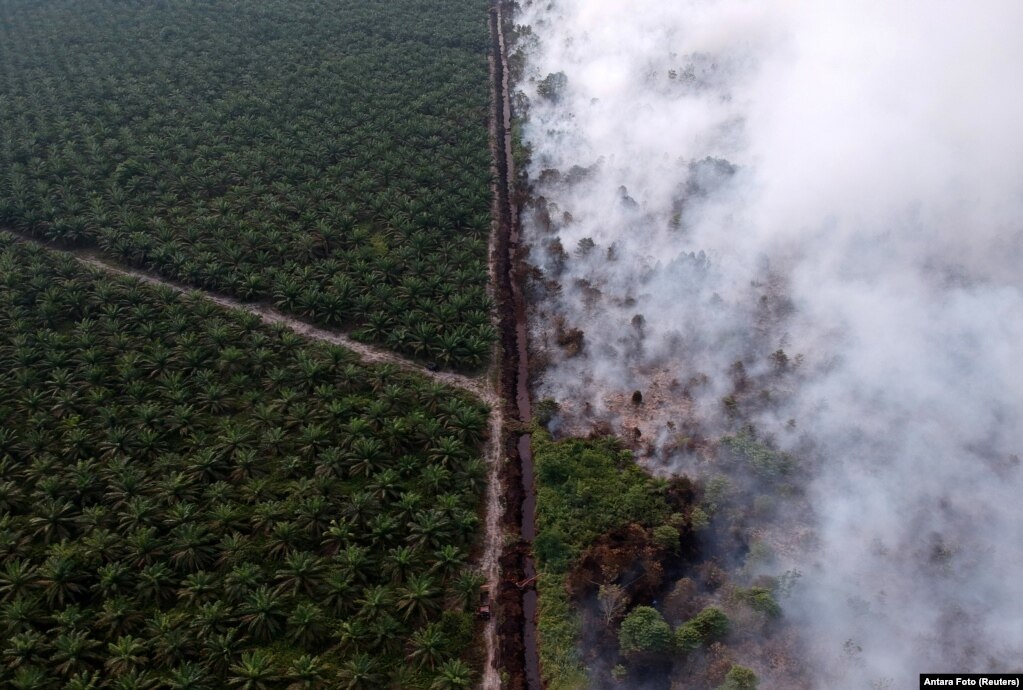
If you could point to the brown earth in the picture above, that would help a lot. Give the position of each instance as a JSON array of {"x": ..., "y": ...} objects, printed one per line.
[{"x": 517, "y": 656}]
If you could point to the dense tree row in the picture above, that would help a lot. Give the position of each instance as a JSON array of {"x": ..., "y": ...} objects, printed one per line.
[
  {"x": 329, "y": 158},
  {"x": 190, "y": 499}
]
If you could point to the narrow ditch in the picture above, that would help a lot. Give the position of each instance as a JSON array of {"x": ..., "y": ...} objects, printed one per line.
[{"x": 518, "y": 654}]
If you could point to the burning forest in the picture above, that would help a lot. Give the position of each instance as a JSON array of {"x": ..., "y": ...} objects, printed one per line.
[{"x": 776, "y": 312}]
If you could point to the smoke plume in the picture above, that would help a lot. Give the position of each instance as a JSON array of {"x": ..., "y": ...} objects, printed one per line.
[{"x": 721, "y": 181}]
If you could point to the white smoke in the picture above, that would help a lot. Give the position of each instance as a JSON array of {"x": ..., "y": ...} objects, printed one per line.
[{"x": 877, "y": 195}]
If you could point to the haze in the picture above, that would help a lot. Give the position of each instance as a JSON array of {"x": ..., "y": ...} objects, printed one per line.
[{"x": 868, "y": 217}]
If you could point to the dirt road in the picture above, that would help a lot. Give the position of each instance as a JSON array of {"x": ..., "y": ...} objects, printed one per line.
[{"x": 370, "y": 354}]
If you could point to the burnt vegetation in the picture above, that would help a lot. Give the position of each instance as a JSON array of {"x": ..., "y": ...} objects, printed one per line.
[{"x": 654, "y": 582}]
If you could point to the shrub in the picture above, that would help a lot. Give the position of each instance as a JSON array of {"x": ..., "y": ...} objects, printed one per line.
[
  {"x": 761, "y": 599},
  {"x": 551, "y": 550},
  {"x": 740, "y": 678},
  {"x": 687, "y": 638},
  {"x": 698, "y": 519},
  {"x": 711, "y": 622},
  {"x": 545, "y": 410},
  {"x": 666, "y": 537},
  {"x": 765, "y": 462},
  {"x": 708, "y": 625},
  {"x": 644, "y": 631}
]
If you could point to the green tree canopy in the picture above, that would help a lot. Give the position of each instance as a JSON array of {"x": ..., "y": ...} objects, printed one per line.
[
  {"x": 708, "y": 625},
  {"x": 644, "y": 631},
  {"x": 740, "y": 678}
]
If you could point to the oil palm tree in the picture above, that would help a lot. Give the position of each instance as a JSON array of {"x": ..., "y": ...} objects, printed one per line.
[
  {"x": 254, "y": 671},
  {"x": 466, "y": 588},
  {"x": 306, "y": 625},
  {"x": 20, "y": 614},
  {"x": 302, "y": 572},
  {"x": 453, "y": 674},
  {"x": 428, "y": 646},
  {"x": 361, "y": 672},
  {"x": 338, "y": 593},
  {"x": 447, "y": 560},
  {"x": 59, "y": 578},
  {"x": 169, "y": 639},
  {"x": 72, "y": 651},
  {"x": 221, "y": 649},
  {"x": 428, "y": 528},
  {"x": 119, "y": 615},
  {"x": 83, "y": 680},
  {"x": 367, "y": 455},
  {"x": 32, "y": 678},
  {"x": 188, "y": 675},
  {"x": 125, "y": 655},
  {"x": 25, "y": 649},
  {"x": 418, "y": 598},
  {"x": 134, "y": 680},
  {"x": 306, "y": 673},
  {"x": 211, "y": 618},
  {"x": 262, "y": 614},
  {"x": 17, "y": 579}
]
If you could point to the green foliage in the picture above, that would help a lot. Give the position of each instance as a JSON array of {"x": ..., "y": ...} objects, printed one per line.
[
  {"x": 688, "y": 638},
  {"x": 458, "y": 629},
  {"x": 330, "y": 158},
  {"x": 545, "y": 410},
  {"x": 759, "y": 554},
  {"x": 558, "y": 629},
  {"x": 584, "y": 489},
  {"x": 552, "y": 550},
  {"x": 708, "y": 625},
  {"x": 667, "y": 537},
  {"x": 644, "y": 631},
  {"x": 521, "y": 151},
  {"x": 739, "y": 678},
  {"x": 452, "y": 675},
  {"x": 765, "y": 462},
  {"x": 698, "y": 519},
  {"x": 716, "y": 492},
  {"x": 187, "y": 494},
  {"x": 711, "y": 622},
  {"x": 761, "y": 599}
]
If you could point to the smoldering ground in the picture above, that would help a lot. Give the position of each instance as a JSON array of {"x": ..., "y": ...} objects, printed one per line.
[{"x": 717, "y": 181}]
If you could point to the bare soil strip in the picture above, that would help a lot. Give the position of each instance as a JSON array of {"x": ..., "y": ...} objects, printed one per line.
[
  {"x": 493, "y": 540},
  {"x": 490, "y": 562},
  {"x": 369, "y": 354}
]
